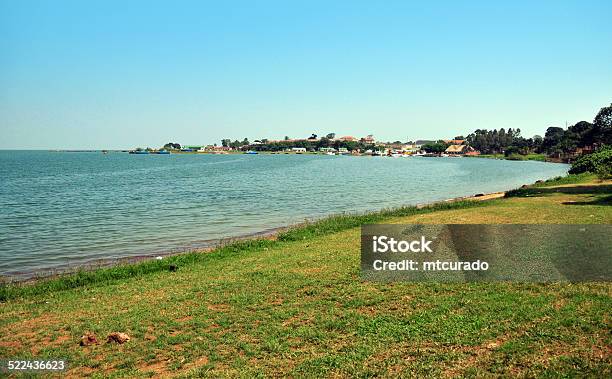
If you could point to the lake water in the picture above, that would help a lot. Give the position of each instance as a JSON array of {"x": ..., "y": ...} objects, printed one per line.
[{"x": 62, "y": 210}]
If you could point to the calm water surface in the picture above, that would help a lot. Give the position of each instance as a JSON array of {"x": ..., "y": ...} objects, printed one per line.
[{"x": 62, "y": 210}]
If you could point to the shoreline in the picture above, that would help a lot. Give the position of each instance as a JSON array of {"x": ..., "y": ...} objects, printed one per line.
[
  {"x": 304, "y": 293},
  {"x": 212, "y": 245},
  {"x": 515, "y": 157}
]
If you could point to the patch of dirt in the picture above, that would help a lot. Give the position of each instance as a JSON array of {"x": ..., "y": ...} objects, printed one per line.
[
  {"x": 159, "y": 367},
  {"x": 559, "y": 303},
  {"x": 297, "y": 320},
  {"x": 218, "y": 307},
  {"x": 277, "y": 301},
  {"x": 28, "y": 325},
  {"x": 11, "y": 344},
  {"x": 483, "y": 352},
  {"x": 80, "y": 372}
]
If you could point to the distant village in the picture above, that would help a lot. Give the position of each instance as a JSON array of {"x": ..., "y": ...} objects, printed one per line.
[
  {"x": 558, "y": 144},
  {"x": 328, "y": 144}
]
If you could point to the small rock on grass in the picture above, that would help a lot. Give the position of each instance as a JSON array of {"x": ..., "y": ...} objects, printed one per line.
[
  {"x": 88, "y": 339},
  {"x": 117, "y": 337}
]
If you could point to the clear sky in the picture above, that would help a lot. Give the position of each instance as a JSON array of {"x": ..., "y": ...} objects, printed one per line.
[{"x": 121, "y": 74}]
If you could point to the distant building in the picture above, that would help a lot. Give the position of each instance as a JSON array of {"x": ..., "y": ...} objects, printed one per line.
[
  {"x": 368, "y": 139},
  {"x": 299, "y": 150},
  {"x": 347, "y": 138},
  {"x": 412, "y": 148},
  {"x": 454, "y": 141},
  {"x": 461, "y": 150},
  {"x": 455, "y": 149},
  {"x": 327, "y": 150},
  {"x": 218, "y": 148},
  {"x": 582, "y": 151},
  {"x": 399, "y": 146}
]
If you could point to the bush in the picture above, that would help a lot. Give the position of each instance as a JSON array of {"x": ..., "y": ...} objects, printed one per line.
[
  {"x": 604, "y": 172},
  {"x": 598, "y": 162}
]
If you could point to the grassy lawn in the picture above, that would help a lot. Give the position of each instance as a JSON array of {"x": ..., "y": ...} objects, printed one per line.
[
  {"x": 296, "y": 307},
  {"x": 513, "y": 157}
]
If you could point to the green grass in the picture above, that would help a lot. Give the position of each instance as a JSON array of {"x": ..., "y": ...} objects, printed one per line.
[
  {"x": 558, "y": 181},
  {"x": 296, "y": 307},
  {"x": 321, "y": 227},
  {"x": 527, "y": 157},
  {"x": 513, "y": 157}
]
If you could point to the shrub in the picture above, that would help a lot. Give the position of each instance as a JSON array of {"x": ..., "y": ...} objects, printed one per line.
[
  {"x": 600, "y": 161},
  {"x": 604, "y": 172}
]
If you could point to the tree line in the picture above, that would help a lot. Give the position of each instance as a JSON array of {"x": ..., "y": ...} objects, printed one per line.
[{"x": 556, "y": 141}]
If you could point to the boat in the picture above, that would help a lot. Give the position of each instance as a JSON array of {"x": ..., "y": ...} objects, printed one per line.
[
  {"x": 166, "y": 152},
  {"x": 251, "y": 152},
  {"x": 139, "y": 152}
]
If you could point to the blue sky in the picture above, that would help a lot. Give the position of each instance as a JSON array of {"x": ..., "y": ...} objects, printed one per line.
[{"x": 120, "y": 74}]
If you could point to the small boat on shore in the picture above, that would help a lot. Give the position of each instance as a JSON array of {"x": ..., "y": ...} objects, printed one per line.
[{"x": 251, "y": 152}]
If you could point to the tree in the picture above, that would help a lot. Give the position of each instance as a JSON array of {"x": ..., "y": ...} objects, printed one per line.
[
  {"x": 287, "y": 138},
  {"x": 226, "y": 142},
  {"x": 434, "y": 147},
  {"x": 569, "y": 142},
  {"x": 245, "y": 142},
  {"x": 552, "y": 138},
  {"x": 537, "y": 143},
  {"x": 313, "y": 136},
  {"x": 583, "y": 133},
  {"x": 323, "y": 142},
  {"x": 172, "y": 146},
  {"x": 602, "y": 123},
  {"x": 331, "y": 136}
]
